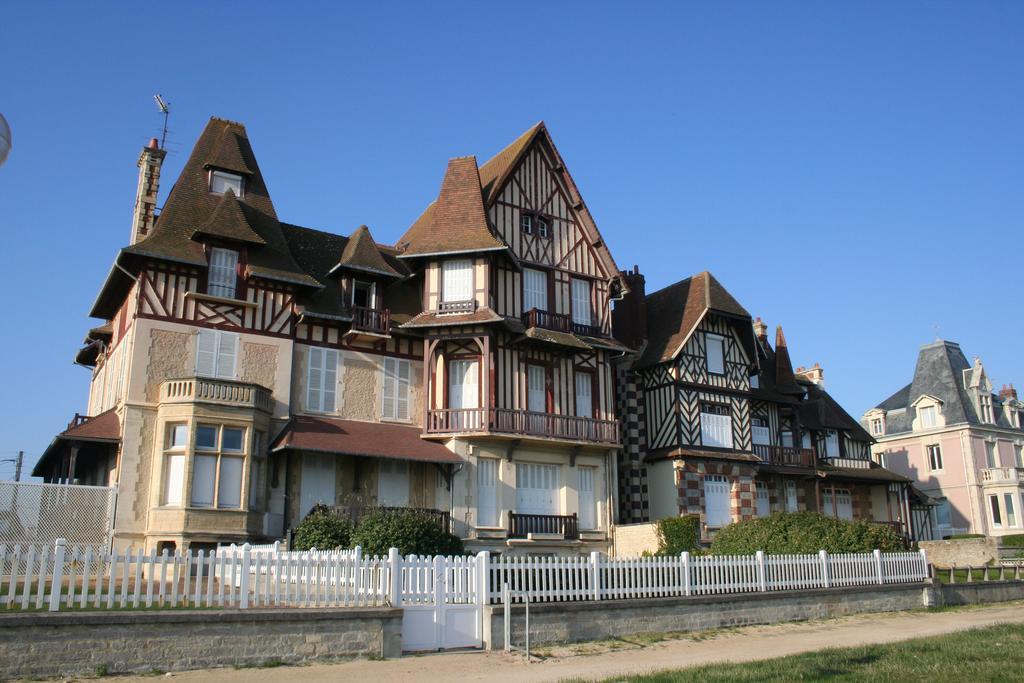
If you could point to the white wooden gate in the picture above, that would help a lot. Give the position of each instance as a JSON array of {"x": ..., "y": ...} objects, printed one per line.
[{"x": 442, "y": 600}]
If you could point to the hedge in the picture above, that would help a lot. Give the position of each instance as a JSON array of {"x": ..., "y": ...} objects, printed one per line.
[
  {"x": 805, "y": 532},
  {"x": 323, "y": 529},
  {"x": 957, "y": 537},
  {"x": 1013, "y": 541},
  {"x": 678, "y": 534},
  {"x": 410, "y": 531}
]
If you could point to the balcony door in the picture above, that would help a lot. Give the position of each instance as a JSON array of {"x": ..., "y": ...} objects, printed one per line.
[
  {"x": 464, "y": 393},
  {"x": 537, "y": 488},
  {"x": 717, "y": 506},
  {"x": 535, "y": 290}
]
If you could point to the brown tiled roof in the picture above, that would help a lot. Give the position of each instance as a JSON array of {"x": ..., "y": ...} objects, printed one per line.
[
  {"x": 362, "y": 253},
  {"x": 457, "y": 221},
  {"x": 785, "y": 380},
  {"x": 102, "y": 427},
  {"x": 821, "y": 411},
  {"x": 698, "y": 452},
  {"x": 191, "y": 205},
  {"x": 351, "y": 437},
  {"x": 875, "y": 472},
  {"x": 555, "y": 337},
  {"x": 229, "y": 222},
  {"x": 434, "y": 319},
  {"x": 674, "y": 312}
]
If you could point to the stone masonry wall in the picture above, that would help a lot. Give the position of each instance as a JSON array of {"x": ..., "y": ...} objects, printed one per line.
[
  {"x": 84, "y": 643},
  {"x": 974, "y": 552}
]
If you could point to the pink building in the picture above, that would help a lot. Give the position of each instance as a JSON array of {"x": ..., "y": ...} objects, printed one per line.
[{"x": 961, "y": 443}]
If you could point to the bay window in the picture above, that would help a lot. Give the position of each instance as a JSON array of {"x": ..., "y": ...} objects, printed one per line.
[
  {"x": 217, "y": 466},
  {"x": 175, "y": 454}
]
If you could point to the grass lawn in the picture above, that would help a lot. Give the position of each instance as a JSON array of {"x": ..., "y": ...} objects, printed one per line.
[{"x": 987, "y": 654}]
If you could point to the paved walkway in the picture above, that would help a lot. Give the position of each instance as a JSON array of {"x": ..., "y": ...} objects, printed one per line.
[{"x": 596, "y": 661}]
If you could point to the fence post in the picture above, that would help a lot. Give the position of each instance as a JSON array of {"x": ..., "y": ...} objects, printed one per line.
[
  {"x": 823, "y": 557},
  {"x": 878, "y": 565},
  {"x": 277, "y": 548},
  {"x": 686, "y": 572},
  {"x": 595, "y": 574},
  {"x": 57, "y": 578},
  {"x": 395, "y": 572},
  {"x": 483, "y": 581},
  {"x": 759, "y": 555},
  {"x": 243, "y": 588},
  {"x": 924, "y": 563}
]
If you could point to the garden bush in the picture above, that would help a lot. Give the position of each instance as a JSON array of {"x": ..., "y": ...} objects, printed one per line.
[
  {"x": 956, "y": 537},
  {"x": 323, "y": 529},
  {"x": 805, "y": 532},
  {"x": 1012, "y": 541},
  {"x": 678, "y": 534},
  {"x": 410, "y": 531}
]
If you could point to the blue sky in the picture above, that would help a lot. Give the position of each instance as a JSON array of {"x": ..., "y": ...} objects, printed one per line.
[{"x": 853, "y": 171}]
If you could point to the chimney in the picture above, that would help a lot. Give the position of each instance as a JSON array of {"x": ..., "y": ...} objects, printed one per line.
[
  {"x": 144, "y": 216},
  {"x": 760, "y": 329},
  {"x": 1008, "y": 393},
  {"x": 815, "y": 374},
  {"x": 629, "y": 319}
]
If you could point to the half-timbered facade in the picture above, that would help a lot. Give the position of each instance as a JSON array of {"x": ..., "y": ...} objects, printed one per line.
[{"x": 720, "y": 425}]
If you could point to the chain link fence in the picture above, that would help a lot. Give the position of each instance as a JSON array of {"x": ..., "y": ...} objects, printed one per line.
[{"x": 39, "y": 514}]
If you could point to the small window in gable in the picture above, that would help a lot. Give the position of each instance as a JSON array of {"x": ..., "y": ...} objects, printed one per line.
[
  {"x": 222, "y": 181},
  {"x": 715, "y": 354},
  {"x": 526, "y": 223},
  {"x": 223, "y": 273},
  {"x": 542, "y": 227}
]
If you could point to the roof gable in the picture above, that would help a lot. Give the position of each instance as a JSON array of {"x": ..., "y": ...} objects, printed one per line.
[
  {"x": 227, "y": 153},
  {"x": 361, "y": 253},
  {"x": 228, "y": 221}
]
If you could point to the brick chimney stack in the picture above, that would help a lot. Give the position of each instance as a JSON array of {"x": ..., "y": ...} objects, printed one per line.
[
  {"x": 144, "y": 215},
  {"x": 1008, "y": 393},
  {"x": 815, "y": 374},
  {"x": 629, "y": 319},
  {"x": 760, "y": 329}
]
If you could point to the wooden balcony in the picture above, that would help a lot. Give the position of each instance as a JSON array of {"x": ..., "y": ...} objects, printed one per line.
[
  {"x": 522, "y": 423},
  {"x": 218, "y": 391},
  {"x": 565, "y": 527},
  {"x": 558, "y": 322},
  {"x": 371, "y": 320},
  {"x": 784, "y": 456}
]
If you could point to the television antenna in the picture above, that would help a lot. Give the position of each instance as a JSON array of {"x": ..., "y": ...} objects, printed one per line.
[
  {"x": 5, "y": 139},
  {"x": 165, "y": 108}
]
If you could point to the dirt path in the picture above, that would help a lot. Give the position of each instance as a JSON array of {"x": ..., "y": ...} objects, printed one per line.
[{"x": 614, "y": 658}]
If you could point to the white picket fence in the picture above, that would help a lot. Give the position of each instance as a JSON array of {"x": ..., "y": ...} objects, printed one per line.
[
  {"x": 564, "y": 579},
  {"x": 60, "y": 577}
]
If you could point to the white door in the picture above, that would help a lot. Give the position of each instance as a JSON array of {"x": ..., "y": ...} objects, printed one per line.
[
  {"x": 717, "y": 507},
  {"x": 487, "y": 492},
  {"x": 763, "y": 503},
  {"x": 393, "y": 483},
  {"x": 537, "y": 488},
  {"x": 317, "y": 483},
  {"x": 588, "y": 501},
  {"x": 449, "y": 616},
  {"x": 844, "y": 504},
  {"x": 464, "y": 393}
]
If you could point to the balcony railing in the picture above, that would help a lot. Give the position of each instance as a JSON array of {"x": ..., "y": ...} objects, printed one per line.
[
  {"x": 456, "y": 306},
  {"x": 376, "y": 321},
  {"x": 559, "y": 322},
  {"x": 784, "y": 456},
  {"x": 523, "y": 525},
  {"x": 219, "y": 391},
  {"x": 1002, "y": 475},
  {"x": 523, "y": 422}
]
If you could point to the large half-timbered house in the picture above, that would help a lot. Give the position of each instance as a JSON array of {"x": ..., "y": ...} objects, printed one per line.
[
  {"x": 248, "y": 369},
  {"x": 718, "y": 423}
]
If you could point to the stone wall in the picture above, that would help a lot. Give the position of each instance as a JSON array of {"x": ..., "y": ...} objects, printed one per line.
[
  {"x": 85, "y": 643},
  {"x": 979, "y": 593},
  {"x": 631, "y": 540},
  {"x": 974, "y": 552},
  {"x": 567, "y": 622}
]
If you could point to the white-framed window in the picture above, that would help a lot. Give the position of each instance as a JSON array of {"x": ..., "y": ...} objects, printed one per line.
[
  {"x": 217, "y": 466},
  {"x": 934, "y": 457},
  {"x": 717, "y": 504},
  {"x": 991, "y": 457},
  {"x": 537, "y": 488},
  {"x": 464, "y": 393},
  {"x": 877, "y": 426},
  {"x": 588, "y": 500},
  {"x": 763, "y": 501},
  {"x": 832, "y": 444},
  {"x": 792, "y": 503},
  {"x": 216, "y": 354},
  {"x": 536, "y": 388},
  {"x": 986, "y": 408},
  {"x": 223, "y": 274},
  {"x": 393, "y": 483},
  {"x": 1011, "y": 512},
  {"x": 805, "y": 441},
  {"x": 715, "y": 345},
  {"x": 487, "y": 492},
  {"x": 322, "y": 380},
  {"x": 457, "y": 280},
  {"x": 395, "y": 401},
  {"x": 927, "y": 415},
  {"x": 175, "y": 456},
  {"x": 1018, "y": 455},
  {"x": 715, "y": 425},
  {"x": 997, "y": 517},
  {"x": 584, "y": 394},
  {"x": 364, "y": 294},
  {"x": 535, "y": 289},
  {"x": 222, "y": 181},
  {"x": 582, "y": 310},
  {"x": 526, "y": 223},
  {"x": 841, "y": 506},
  {"x": 787, "y": 438},
  {"x": 760, "y": 433},
  {"x": 542, "y": 227}
]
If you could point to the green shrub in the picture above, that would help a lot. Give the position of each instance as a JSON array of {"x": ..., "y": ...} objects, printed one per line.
[
  {"x": 805, "y": 532},
  {"x": 323, "y": 529},
  {"x": 955, "y": 537},
  {"x": 1013, "y": 541},
  {"x": 410, "y": 531},
  {"x": 678, "y": 534}
]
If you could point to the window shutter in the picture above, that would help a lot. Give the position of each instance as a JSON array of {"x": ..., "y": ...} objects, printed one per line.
[
  {"x": 715, "y": 354},
  {"x": 388, "y": 409},
  {"x": 581, "y": 306},
  {"x": 330, "y": 387},
  {"x": 175, "y": 479},
  {"x": 204, "y": 469},
  {"x": 402, "y": 390},
  {"x": 315, "y": 380},
  {"x": 537, "y": 396},
  {"x": 227, "y": 352},
  {"x": 535, "y": 290},
  {"x": 470, "y": 391},
  {"x": 229, "y": 486},
  {"x": 588, "y": 502},
  {"x": 486, "y": 485},
  {"x": 206, "y": 353},
  {"x": 457, "y": 282},
  {"x": 584, "y": 395}
]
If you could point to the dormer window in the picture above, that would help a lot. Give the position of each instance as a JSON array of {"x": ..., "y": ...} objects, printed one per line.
[
  {"x": 222, "y": 181},
  {"x": 364, "y": 294},
  {"x": 223, "y": 273},
  {"x": 986, "y": 408},
  {"x": 877, "y": 426},
  {"x": 927, "y": 415}
]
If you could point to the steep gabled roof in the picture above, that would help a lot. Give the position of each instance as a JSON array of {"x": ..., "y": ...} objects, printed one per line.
[
  {"x": 674, "y": 312},
  {"x": 496, "y": 171},
  {"x": 228, "y": 221},
  {"x": 362, "y": 253},
  {"x": 785, "y": 380},
  {"x": 227, "y": 153},
  {"x": 457, "y": 221},
  {"x": 821, "y": 411}
]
